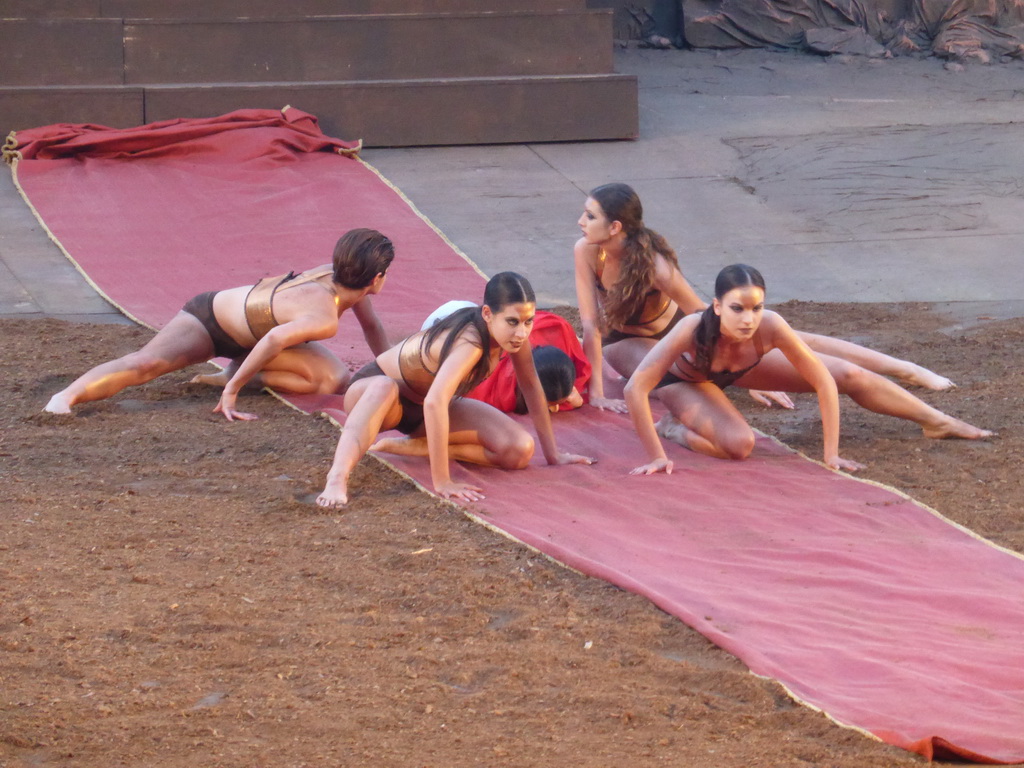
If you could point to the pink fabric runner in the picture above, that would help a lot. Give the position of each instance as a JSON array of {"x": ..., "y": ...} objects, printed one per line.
[{"x": 861, "y": 602}]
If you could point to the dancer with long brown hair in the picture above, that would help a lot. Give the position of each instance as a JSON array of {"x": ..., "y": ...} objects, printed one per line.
[{"x": 416, "y": 387}]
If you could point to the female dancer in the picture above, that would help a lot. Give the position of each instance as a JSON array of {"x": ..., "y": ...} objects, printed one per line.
[
  {"x": 631, "y": 273},
  {"x": 562, "y": 366},
  {"x": 416, "y": 387},
  {"x": 269, "y": 331},
  {"x": 738, "y": 341}
]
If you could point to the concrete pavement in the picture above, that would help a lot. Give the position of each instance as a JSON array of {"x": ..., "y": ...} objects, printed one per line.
[{"x": 841, "y": 179}]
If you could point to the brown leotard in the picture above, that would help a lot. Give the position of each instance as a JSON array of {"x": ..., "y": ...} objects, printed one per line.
[
  {"x": 721, "y": 379},
  {"x": 259, "y": 303},
  {"x": 412, "y": 367},
  {"x": 655, "y": 304},
  {"x": 415, "y": 375},
  {"x": 201, "y": 308},
  {"x": 412, "y": 412}
]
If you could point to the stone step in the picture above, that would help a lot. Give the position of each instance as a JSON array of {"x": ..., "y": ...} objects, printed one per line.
[
  {"x": 62, "y": 52},
  {"x": 382, "y": 113},
  {"x": 369, "y": 47},
  {"x": 262, "y": 9},
  {"x": 91, "y": 51}
]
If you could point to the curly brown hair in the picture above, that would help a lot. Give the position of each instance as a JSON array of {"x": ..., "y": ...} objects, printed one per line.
[{"x": 626, "y": 298}]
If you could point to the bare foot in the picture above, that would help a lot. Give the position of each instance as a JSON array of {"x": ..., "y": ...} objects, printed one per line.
[
  {"x": 954, "y": 428},
  {"x": 401, "y": 446},
  {"x": 58, "y": 404},
  {"x": 218, "y": 379},
  {"x": 670, "y": 429},
  {"x": 335, "y": 494},
  {"x": 918, "y": 376}
]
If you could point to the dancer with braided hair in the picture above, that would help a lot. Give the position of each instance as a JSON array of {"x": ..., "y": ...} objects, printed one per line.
[{"x": 737, "y": 341}]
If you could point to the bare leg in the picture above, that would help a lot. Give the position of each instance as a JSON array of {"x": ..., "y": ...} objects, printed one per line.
[
  {"x": 372, "y": 405},
  {"x": 867, "y": 389},
  {"x": 625, "y": 356},
  {"x": 479, "y": 434},
  {"x": 305, "y": 369},
  {"x": 704, "y": 420},
  {"x": 878, "y": 362},
  {"x": 218, "y": 379},
  {"x": 179, "y": 344},
  {"x": 401, "y": 446}
]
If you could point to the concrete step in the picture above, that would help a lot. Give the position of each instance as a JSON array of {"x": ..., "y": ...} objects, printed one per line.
[
  {"x": 118, "y": 106},
  {"x": 262, "y": 9},
  {"x": 383, "y": 113}
]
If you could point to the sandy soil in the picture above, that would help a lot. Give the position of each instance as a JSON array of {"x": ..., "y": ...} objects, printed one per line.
[{"x": 171, "y": 598}]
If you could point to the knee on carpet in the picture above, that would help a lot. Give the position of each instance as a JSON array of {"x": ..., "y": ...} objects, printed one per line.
[
  {"x": 334, "y": 382},
  {"x": 738, "y": 445},
  {"x": 517, "y": 451}
]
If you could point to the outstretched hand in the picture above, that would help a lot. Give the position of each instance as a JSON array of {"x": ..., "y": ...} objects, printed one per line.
[
  {"x": 574, "y": 458},
  {"x": 609, "y": 404},
  {"x": 227, "y": 407},
  {"x": 654, "y": 467},
  {"x": 459, "y": 491},
  {"x": 766, "y": 398},
  {"x": 847, "y": 465}
]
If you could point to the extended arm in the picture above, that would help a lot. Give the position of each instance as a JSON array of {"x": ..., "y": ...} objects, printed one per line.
[
  {"x": 647, "y": 375},
  {"x": 373, "y": 329},
  {"x": 537, "y": 405},
  {"x": 312, "y": 326},
  {"x": 814, "y": 372},
  {"x": 587, "y": 300},
  {"x": 456, "y": 367},
  {"x": 670, "y": 281}
]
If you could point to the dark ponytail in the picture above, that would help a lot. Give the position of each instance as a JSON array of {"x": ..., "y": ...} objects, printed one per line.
[
  {"x": 503, "y": 289},
  {"x": 709, "y": 329}
]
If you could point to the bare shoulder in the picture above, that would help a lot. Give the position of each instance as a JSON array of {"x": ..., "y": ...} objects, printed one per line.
[
  {"x": 774, "y": 327},
  {"x": 466, "y": 337},
  {"x": 664, "y": 270},
  {"x": 773, "y": 319},
  {"x": 686, "y": 326},
  {"x": 586, "y": 253},
  {"x": 319, "y": 270}
]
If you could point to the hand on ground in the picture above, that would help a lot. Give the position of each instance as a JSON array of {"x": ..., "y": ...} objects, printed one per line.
[
  {"x": 227, "y": 407},
  {"x": 459, "y": 492},
  {"x": 766, "y": 398},
  {"x": 609, "y": 404},
  {"x": 653, "y": 467},
  {"x": 574, "y": 458},
  {"x": 847, "y": 465}
]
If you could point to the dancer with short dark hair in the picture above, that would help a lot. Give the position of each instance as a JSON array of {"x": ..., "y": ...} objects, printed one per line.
[{"x": 269, "y": 331}]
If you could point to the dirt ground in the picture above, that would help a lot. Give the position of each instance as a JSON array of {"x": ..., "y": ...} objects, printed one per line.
[{"x": 170, "y": 596}]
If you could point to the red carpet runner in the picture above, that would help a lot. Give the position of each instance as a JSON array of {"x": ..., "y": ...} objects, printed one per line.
[{"x": 861, "y": 602}]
